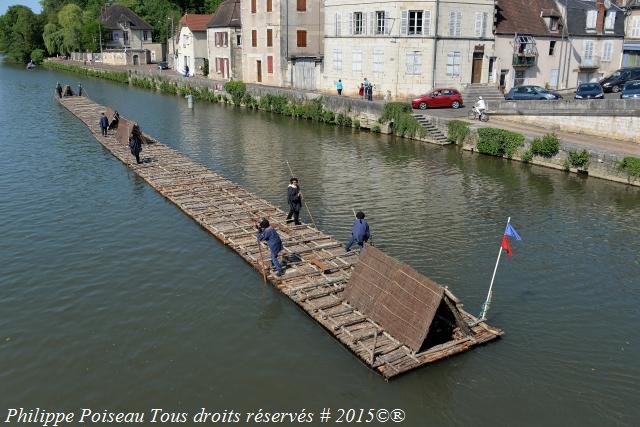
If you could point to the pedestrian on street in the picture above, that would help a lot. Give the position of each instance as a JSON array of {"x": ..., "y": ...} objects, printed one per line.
[
  {"x": 361, "y": 90},
  {"x": 59, "y": 89},
  {"x": 79, "y": 89},
  {"x": 359, "y": 232},
  {"x": 339, "y": 86},
  {"x": 104, "y": 124},
  {"x": 294, "y": 198},
  {"x": 268, "y": 234},
  {"x": 186, "y": 71},
  {"x": 135, "y": 144}
]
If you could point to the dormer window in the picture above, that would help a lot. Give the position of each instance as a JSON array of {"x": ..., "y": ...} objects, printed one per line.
[
  {"x": 609, "y": 20},
  {"x": 592, "y": 16},
  {"x": 553, "y": 23}
]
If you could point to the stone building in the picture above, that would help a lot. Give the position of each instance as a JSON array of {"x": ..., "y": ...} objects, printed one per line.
[
  {"x": 282, "y": 42},
  {"x": 631, "y": 48},
  {"x": 595, "y": 34},
  {"x": 407, "y": 47},
  {"x": 224, "y": 42},
  {"x": 529, "y": 43},
  {"x": 191, "y": 45},
  {"x": 128, "y": 38}
]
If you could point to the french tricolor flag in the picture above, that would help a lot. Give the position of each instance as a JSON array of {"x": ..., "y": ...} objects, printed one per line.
[{"x": 509, "y": 231}]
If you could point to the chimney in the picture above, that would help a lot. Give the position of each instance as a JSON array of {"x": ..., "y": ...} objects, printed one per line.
[{"x": 601, "y": 14}]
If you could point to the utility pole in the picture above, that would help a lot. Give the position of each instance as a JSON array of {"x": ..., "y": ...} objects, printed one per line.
[{"x": 173, "y": 43}]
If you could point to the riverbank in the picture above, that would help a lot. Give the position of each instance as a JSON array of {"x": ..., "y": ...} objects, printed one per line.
[{"x": 386, "y": 118}]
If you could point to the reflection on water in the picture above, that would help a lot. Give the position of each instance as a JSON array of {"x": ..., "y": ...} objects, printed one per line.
[{"x": 112, "y": 298}]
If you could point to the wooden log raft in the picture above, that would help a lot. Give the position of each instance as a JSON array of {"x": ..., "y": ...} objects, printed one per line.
[{"x": 318, "y": 268}]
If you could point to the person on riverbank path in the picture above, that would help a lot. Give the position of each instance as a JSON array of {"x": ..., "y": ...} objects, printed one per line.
[
  {"x": 294, "y": 198},
  {"x": 135, "y": 145},
  {"x": 361, "y": 90},
  {"x": 79, "y": 89},
  {"x": 186, "y": 71},
  {"x": 268, "y": 234},
  {"x": 360, "y": 232},
  {"x": 104, "y": 124},
  {"x": 59, "y": 89},
  {"x": 339, "y": 86}
]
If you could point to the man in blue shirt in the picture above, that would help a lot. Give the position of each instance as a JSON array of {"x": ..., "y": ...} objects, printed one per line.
[
  {"x": 339, "y": 86},
  {"x": 359, "y": 232},
  {"x": 104, "y": 124},
  {"x": 268, "y": 234}
]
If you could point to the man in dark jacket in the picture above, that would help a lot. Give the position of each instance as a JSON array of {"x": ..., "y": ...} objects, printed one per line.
[
  {"x": 359, "y": 232},
  {"x": 294, "y": 199},
  {"x": 59, "y": 89},
  {"x": 135, "y": 144},
  {"x": 268, "y": 234},
  {"x": 104, "y": 124}
]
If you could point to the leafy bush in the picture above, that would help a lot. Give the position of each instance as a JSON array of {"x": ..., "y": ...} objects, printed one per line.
[
  {"x": 527, "y": 156},
  {"x": 168, "y": 88},
  {"x": 249, "y": 101},
  {"x": 37, "y": 56},
  {"x": 143, "y": 83},
  {"x": 404, "y": 124},
  {"x": 205, "y": 67},
  {"x": 547, "y": 146},
  {"x": 356, "y": 124},
  {"x": 376, "y": 128},
  {"x": 631, "y": 165},
  {"x": 499, "y": 142},
  {"x": 458, "y": 131},
  {"x": 115, "y": 76},
  {"x": 237, "y": 89},
  {"x": 578, "y": 159},
  {"x": 328, "y": 116}
]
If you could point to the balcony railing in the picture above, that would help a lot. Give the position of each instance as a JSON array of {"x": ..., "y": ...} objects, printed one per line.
[
  {"x": 589, "y": 62},
  {"x": 524, "y": 60}
]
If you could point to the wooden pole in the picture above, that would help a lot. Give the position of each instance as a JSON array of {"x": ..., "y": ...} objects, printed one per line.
[
  {"x": 485, "y": 306},
  {"x": 303, "y": 200},
  {"x": 264, "y": 274}
]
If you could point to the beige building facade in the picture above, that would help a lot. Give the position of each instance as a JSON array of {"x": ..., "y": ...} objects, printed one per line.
[
  {"x": 191, "y": 46},
  {"x": 631, "y": 48},
  {"x": 224, "y": 42},
  {"x": 406, "y": 47},
  {"x": 282, "y": 42}
]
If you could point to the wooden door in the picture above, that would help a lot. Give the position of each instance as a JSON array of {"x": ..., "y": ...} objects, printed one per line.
[
  {"x": 476, "y": 69},
  {"x": 259, "y": 71}
]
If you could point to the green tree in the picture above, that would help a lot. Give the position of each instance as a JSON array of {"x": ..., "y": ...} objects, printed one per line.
[
  {"x": 37, "y": 56},
  {"x": 70, "y": 21},
  {"x": 211, "y": 6},
  {"x": 20, "y": 33},
  {"x": 52, "y": 37}
]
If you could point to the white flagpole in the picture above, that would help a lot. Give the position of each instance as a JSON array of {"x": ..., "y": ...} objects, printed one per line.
[{"x": 485, "y": 307}]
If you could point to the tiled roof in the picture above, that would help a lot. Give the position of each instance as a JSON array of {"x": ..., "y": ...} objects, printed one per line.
[
  {"x": 113, "y": 15},
  {"x": 196, "y": 22},
  {"x": 227, "y": 15},
  {"x": 577, "y": 18},
  {"x": 524, "y": 17}
]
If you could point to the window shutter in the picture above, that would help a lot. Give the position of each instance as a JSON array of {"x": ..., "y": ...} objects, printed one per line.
[
  {"x": 485, "y": 18},
  {"x": 426, "y": 22},
  {"x": 350, "y": 23},
  {"x": 387, "y": 23},
  {"x": 478, "y": 25},
  {"x": 458, "y": 23},
  {"x": 452, "y": 23},
  {"x": 338, "y": 24},
  {"x": 404, "y": 22},
  {"x": 373, "y": 23},
  {"x": 635, "y": 26},
  {"x": 364, "y": 24}
]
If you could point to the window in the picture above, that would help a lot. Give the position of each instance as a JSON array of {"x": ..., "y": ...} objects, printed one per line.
[
  {"x": 378, "y": 60},
  {"x": 356, "y": 60},
  {"x": 635, "y": 26},
  {"x": 414, "y": 63},
  {"x": 338, "y": 29},
  {"x": 253, "y": 6},
  {"x": 221, "y": 39},
  {"x": 337, "y": 59},
  {"x": 269, "y": 37},
  {"x": 481, "y": 24},
  {"x": 239, "y": 40},
  {"x": 553, "y": 23},
  {"x": 415, "y": 22},
  {"x": 357, "y": 23},
  {"x": 110, "y": 36},
  {"x": 254, "y": 38},
  {"x": 270, "y": 64},
  {"x": 554, "y": 77},
  {"x": 592, "y": 16},
  {"x": 217, "y": 62},
  {"x": 453, "y": 64},
  {"x": 301, "y": 38},
  {"x": 609, "y": 20},
  {"x": 125, "y": 35},
  {"x": 302, "y": 6},
  {"x": 552, "y": 47},
  {"x": 588, "y": 51},
  {"x": 145, "y": 35},
  {"x": 380, "y": 22},
  {"x": 455, "y": 22},
  {"x": 607, "y": 50},
  {"x": 269, "y": 5}
]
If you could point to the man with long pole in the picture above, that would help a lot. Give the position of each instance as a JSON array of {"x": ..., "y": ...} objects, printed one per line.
[{"x": 301, "y": 197}]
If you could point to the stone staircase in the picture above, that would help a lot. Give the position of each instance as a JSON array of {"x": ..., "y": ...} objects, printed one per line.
[
  {"x": 434, "y": 134},
  {"x": 489, "y": 93}
]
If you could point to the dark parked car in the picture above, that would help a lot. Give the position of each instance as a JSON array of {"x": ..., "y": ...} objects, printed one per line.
[
  {"x": 631, "y": 90},
  {"x": 589, "y": 91},
  {"x": 530, "y": 92},
  {"x": 163, "y": 65},
  {"x": 438, "y": 98},
  {"x": 615, "y": 82}
]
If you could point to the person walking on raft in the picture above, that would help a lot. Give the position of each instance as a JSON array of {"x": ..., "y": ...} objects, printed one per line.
[
  {"x": 294, "y": 198},
  {"x": 360, "y": 232},
  {"x": 268, "y": 234}
]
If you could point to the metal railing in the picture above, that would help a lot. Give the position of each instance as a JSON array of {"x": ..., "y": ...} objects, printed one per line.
[{"x": 589, "y": 62}]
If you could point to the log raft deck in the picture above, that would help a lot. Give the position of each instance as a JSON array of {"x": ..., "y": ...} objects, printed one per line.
[{"x": 319, "y": 270}]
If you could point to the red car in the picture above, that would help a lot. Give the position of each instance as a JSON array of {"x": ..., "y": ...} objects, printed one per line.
[{"x": 438, "y": 98}]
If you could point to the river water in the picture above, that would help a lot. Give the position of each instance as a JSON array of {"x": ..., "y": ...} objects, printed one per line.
[{"x": 111, "y": 298}]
